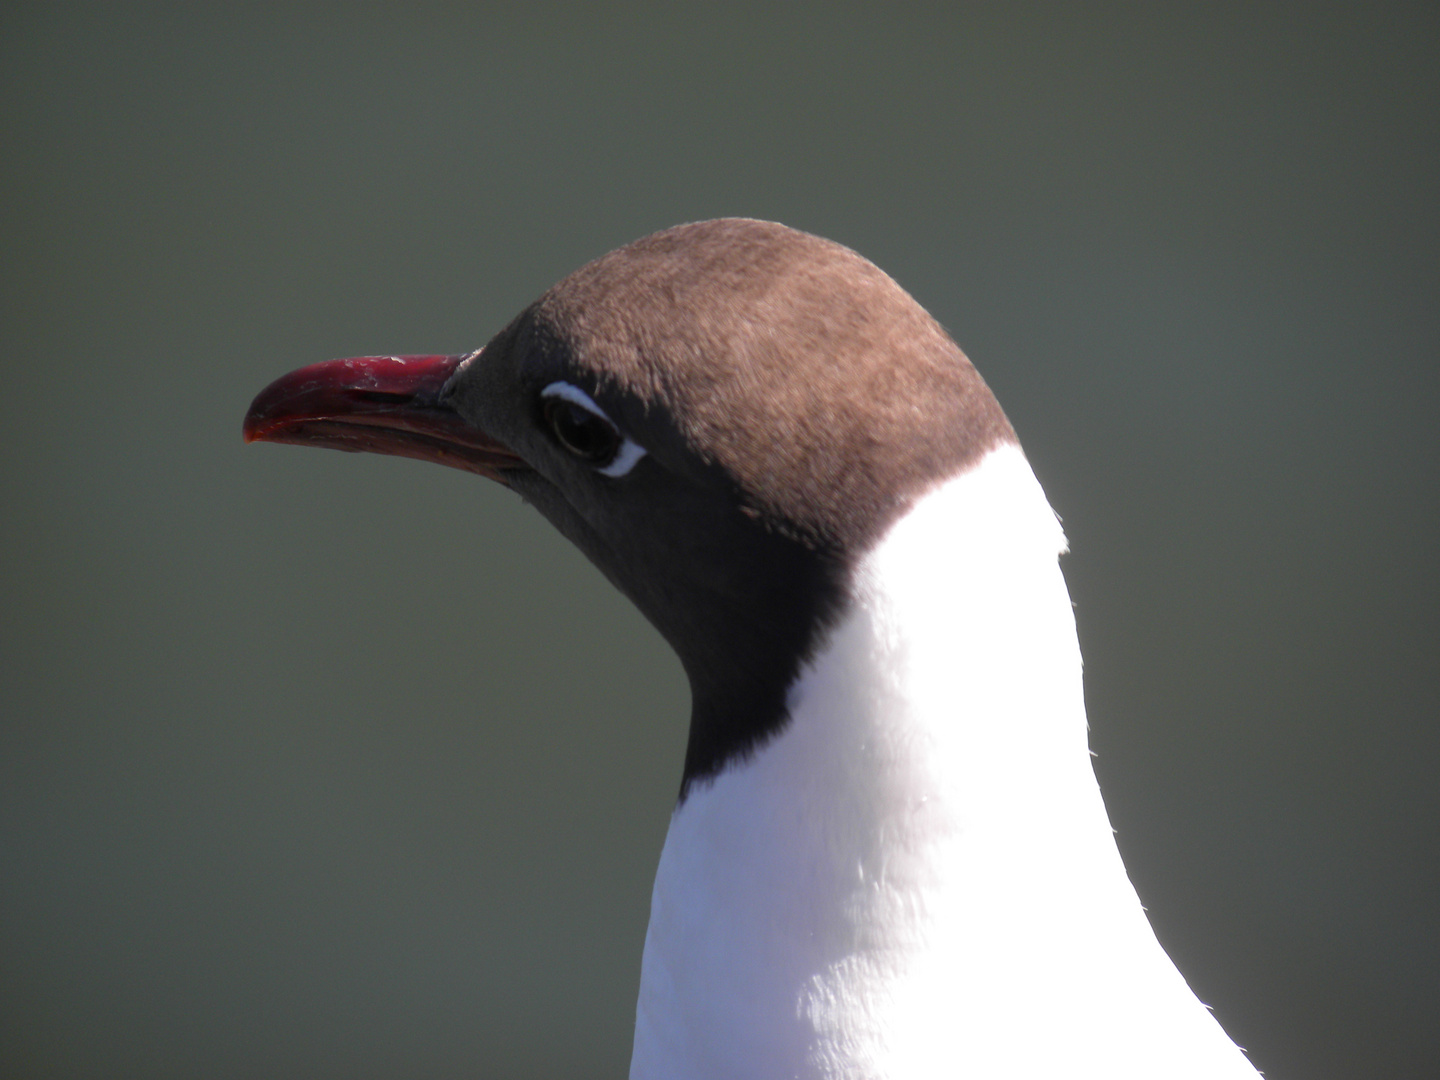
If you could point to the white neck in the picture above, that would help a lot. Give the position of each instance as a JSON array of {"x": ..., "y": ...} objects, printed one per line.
[{"x": 917, "y": 876}]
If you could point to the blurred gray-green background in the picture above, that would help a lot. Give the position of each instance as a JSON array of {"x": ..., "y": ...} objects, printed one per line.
[{"x": 315, "y": 765}]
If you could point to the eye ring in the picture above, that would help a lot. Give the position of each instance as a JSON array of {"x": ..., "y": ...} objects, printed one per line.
[{"x": 582, "y": 428}]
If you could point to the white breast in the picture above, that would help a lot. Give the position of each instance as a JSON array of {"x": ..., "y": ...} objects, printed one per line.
[{"x": 917, "y": 877}]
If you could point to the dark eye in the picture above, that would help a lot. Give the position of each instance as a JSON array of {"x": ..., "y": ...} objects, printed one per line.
[{"x": 580, "y": 431}]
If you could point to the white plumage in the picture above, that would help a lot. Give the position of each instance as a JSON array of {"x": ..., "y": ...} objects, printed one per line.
[{"x": 928, "y": 836}]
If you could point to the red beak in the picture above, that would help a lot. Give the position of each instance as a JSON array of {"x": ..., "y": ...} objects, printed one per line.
[{"x": 382, "y": 404}]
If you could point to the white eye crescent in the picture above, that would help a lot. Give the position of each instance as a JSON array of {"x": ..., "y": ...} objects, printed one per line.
[{"x": 589, "y": 433}]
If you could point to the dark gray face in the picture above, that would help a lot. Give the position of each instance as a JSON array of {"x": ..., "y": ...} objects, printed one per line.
[
  {"x": 741, "y": 601},
  {"x": 791, "y": 402}
]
